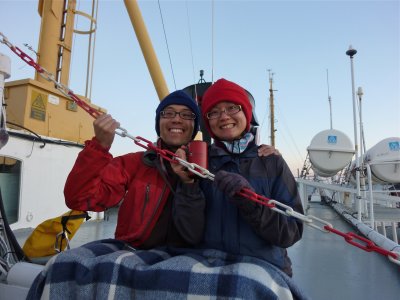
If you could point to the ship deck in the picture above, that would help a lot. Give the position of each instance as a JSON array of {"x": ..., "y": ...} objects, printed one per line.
[
  {"x": 324, "y": 264},
  {"x": 327, "y": 267}
]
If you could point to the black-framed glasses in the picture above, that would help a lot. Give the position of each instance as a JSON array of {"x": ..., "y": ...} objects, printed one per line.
[
  {"x": 230, "y": 110},
  {"x": 170, "y": 114}
]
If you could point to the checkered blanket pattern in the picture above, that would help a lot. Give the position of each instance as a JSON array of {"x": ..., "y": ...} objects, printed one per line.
[{"x": 109, "y": 269}]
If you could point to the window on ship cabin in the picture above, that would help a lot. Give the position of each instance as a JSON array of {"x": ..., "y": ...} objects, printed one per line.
[{"x": 10, "y": 179}]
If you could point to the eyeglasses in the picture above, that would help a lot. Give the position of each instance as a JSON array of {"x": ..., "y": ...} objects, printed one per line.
[
  {"x": 170, "y": 114},
  {"x": 230, "y": 110}
]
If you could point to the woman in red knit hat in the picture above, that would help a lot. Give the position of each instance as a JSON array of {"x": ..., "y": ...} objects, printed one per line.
[{"x": 234, "y": 223}]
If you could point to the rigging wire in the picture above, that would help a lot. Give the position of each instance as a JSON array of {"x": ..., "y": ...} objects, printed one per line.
[
  {"x": 91, "y": 50},
  {"x": 290, "y": 135},
  {"x": 74, "y": 40},
  {"x": 298, "y": 154},
  {"x": 263, "y": 121},
  {"x": 90, "y": 59},
  {"x": 93, "y": 53},
  {"x": 166, "y": 41},
  {"x": 191, "y": 49}
]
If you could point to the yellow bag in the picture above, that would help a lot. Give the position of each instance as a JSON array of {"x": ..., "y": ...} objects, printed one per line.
[{"x": 53, "y": 235}]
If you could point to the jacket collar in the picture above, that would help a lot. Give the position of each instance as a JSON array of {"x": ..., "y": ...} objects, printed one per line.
[
  {"x": 219, "y": 155},
  {"x": 150, "y": 155},
  {"x": 151, "y": 159}
]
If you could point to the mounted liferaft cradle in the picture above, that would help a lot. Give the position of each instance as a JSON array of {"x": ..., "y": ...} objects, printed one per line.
[{"x": 53, "y": 235}]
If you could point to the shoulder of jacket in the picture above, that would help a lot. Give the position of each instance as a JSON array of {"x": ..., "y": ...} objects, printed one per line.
[
  {"x": 148, "y": 158},
  {"x": 271, "y": 161},
  {"x": 130, "y": 158}
]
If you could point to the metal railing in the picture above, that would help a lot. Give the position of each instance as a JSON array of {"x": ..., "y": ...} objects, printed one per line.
[{"x": 344, "y": 198}]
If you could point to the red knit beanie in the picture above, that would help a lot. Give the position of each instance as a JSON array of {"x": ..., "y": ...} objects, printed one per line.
[{"x": 225, "y": 90}]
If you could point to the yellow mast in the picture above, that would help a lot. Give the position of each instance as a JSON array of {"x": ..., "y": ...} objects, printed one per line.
[
  {"x": 271, "y": 108},
  {"x": 37, "y": 104},
  {"x": 55, "y": 44},
  {"x": 148, "y": 52},
  {"x": 147, "y": 48}
]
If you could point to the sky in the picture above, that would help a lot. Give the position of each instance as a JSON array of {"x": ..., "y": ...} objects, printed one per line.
[{"x": 303, "y": 43}]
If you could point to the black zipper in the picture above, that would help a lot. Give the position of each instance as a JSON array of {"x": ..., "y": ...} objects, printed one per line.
[
  {"x": 146, "y": 199},
  {"x": 154, "y": 211}
]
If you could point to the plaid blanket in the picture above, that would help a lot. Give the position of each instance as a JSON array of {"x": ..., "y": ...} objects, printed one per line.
[{"x": 109, "y": 269}]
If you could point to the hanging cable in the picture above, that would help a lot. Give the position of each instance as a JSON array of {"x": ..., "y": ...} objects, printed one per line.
[
  {"x": 166, "y": 42},
  {"x": 191, "y": 49}
]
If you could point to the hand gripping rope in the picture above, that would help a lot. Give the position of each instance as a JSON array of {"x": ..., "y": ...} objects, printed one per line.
[{"x": 281, "y": 208}]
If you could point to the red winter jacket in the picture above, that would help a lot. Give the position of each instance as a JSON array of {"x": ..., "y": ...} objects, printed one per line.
[{"x": 98, "y": 181}]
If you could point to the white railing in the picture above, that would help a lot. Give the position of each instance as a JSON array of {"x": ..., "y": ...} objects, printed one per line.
[{"x": 347, "y": 197}]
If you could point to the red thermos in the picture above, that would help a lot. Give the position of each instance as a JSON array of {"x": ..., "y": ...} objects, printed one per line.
[{"x": 197, "y": 153}]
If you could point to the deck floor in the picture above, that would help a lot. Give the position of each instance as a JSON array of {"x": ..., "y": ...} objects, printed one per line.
[
  {"x": 324, "y": 264},
  {"x": 329, "y": 268}
]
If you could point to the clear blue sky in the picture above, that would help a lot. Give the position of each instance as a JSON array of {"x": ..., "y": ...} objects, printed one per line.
[{"x": 298, "y": 40}]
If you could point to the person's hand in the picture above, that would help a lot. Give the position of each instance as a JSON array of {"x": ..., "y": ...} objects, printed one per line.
[
  {"x": 180, "y": 170},
  {"x": 266, "y": 150},
  {"x": 104, "y": 130},
  {"x": 230, "y": 183}
]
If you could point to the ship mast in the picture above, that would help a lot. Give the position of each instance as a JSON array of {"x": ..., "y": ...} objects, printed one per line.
[
  {"x": 149, "y": 54},
  {"x": 55, "y": 44},
  {"x": 271, "y": 108}
]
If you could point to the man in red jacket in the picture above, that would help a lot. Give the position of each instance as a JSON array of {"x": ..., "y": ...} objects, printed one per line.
[{"x": 141, "y": 182}]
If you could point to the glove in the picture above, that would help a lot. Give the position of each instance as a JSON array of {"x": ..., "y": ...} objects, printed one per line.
[{"x": 230, "y": 183}]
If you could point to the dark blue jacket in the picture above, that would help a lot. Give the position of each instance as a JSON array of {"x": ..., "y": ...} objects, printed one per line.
[{"x": 240, "y": 226}]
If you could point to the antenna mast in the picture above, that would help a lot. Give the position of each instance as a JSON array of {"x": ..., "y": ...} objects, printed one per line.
[{"x": 271, "y": 107}]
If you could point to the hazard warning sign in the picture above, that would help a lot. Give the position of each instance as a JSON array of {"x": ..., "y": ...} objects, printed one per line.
[{"x": 38, "y": 106}]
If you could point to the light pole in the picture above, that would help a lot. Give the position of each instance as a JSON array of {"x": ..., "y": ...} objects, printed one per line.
[{"x": 351, "y": 52}]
